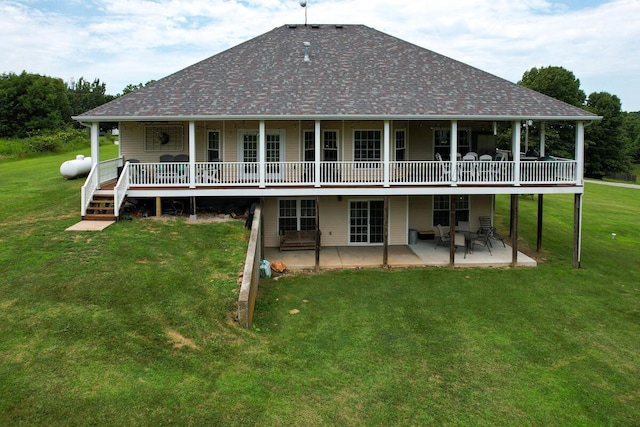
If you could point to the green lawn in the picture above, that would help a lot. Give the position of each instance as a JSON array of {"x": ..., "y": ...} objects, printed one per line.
[{"x": 133, "y": 325}]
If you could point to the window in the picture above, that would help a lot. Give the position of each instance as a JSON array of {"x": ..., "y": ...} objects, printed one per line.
[
  {"x": 441, "y": 209},
  {"x": 309, "y": 146},
  {"x": 163, "y": 138},
  {"x": 442, "y": 142},
  {"x": 330, "y": 146},
  {"x": 213, "y": 146},
  {"x": 366, "y": 146},
  {"x": 401, "y": 146},
  {"x": 296, "y": 215}
]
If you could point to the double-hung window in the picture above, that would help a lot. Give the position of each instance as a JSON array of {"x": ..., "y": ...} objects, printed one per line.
[
  {"x": 442, "y": 208},
  {"x": 401, "y": 145},
  {"x": 296, "y": 215},
  {"x": 213, "y": 146},
  {"x": 367, "y": 148}
]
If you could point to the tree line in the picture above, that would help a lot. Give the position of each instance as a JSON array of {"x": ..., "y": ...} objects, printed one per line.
[{"x": 33, "y": 103}]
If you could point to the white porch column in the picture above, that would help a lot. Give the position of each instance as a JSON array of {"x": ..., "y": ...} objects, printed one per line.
[
  {"x": 316, "y": 146},
  {"x": 453, "y": 155},
  {"x": 543, "y": 128},
  {"x": 95, "y": 143},
  {"x": 515, "y": 151},
  {"x": 579, "y": 153},
  {"x": 262, "y": 154},
  {"x": 385, "y": 155},
  {"x": 192, "y": 154}
]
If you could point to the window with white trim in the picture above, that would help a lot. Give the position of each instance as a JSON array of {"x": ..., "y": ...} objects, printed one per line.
[
  {"x": 401, "y": 145},
  {"x": 442, "y": 208},
  {"x": 366, "y": 146},
  {"x": 213, "y": 146},
  {"x": 296, "y": 215}
]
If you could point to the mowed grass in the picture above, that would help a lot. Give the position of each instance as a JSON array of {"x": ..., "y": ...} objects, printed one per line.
[{"x": 134, "y": 325}]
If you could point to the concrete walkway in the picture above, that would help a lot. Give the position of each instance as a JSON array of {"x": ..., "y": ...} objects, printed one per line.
[{"x": 424, "y": 253}]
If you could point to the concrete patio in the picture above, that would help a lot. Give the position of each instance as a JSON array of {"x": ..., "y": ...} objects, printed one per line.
[{"x": 423, "y": 253}]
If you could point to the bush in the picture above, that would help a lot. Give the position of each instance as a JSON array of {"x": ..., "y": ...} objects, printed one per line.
[{"x": 60, "y": 141}]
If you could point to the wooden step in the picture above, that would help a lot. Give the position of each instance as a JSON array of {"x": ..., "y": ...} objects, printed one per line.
[
  {"x": 101, "y": 208},
  {"x": 99, "y": 217}
]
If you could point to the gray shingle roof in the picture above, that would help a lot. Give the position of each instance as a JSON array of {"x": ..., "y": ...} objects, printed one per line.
[{"x": 354, "y": 71}]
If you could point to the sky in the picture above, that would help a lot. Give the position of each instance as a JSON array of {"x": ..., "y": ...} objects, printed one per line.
[{"x": 125, "y": 42}]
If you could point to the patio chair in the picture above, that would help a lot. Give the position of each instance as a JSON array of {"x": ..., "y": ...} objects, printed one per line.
[
  {"x": 481, "y": 239},
  {"x": 487, "y": 229},
  {"x": 444, "y": 237},
  {"x": 443, "y": 168},
  {"x": 459, "y": 240},
  {"x": 182, "y": 158}
]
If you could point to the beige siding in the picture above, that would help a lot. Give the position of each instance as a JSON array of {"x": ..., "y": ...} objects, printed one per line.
[
  {"x": 398, "y": 231},
  {"x": 421, "y": 212},
  {"x": 270, "y": 223},
  {"x": 479, "y": 205},
  {"x": 419, "y": 141}
]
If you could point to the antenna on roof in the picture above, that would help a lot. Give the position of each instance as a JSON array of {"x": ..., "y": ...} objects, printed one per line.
[{"x": 303, "y": 3}]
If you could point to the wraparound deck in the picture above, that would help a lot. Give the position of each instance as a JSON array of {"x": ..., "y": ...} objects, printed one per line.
[
  {"x": 349, "y": 173},
  {"x": 317, "y": 175}
]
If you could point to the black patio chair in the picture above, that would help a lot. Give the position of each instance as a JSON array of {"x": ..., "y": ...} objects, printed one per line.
[{"x": 487, "y": 228}]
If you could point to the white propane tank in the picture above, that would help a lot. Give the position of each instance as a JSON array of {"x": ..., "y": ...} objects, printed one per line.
[{"x": 81, "y": 165}]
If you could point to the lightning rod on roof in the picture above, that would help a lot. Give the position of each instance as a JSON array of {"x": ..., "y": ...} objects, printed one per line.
[{"x": 303, "y": 3}]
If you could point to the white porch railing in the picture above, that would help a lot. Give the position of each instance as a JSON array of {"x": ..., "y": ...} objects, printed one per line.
[
  {"x": 100, "y": 173},
  {"x": 548, "y": 172},
  {"x": 346, "y": 173},
  {"x": 485, "y": 172}
]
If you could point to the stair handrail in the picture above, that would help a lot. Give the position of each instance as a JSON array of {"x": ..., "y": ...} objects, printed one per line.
[
  {"x": 90, "y": 186},
  {"x": 120, "y": 190}
]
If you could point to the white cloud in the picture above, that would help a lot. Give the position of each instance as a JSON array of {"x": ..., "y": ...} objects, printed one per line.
[{"x": 132, "y": 41}]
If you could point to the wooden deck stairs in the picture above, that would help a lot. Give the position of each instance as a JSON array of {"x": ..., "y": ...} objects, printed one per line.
[{"x": 102, "y": 205}]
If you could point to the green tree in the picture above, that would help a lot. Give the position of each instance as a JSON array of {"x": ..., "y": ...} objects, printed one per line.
[
  {"x": 606, "y": 150},
  {"x": 631, "y": 133},
  {"x": 132, "y": 88},
  {"x": 85, "y": 95},
  {"x": 30, "y": 103},
  {"x": 556, "y": 82},
  {"x": 561, "y": 84}
]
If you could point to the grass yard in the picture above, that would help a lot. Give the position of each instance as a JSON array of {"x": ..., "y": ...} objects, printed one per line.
[{"x": 132, "y": 325}]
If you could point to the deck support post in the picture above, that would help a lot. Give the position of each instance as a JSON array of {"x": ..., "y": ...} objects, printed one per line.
[
  {"x": 540, "y": 215},
  {"x": 317, "y": 234},
  {"x": 385, "y": 153},
  {"x": 453, "y": 153},
  {"x": 579, "y": 154},
  {"x": 577, "y": 229},
  {"x": 316, "y": 153},
  {"x": 543, "y": 126},
  {"x": 158, "y": 206},
  {"x": 95, "y": 143},
  {"x": 385, "y": 233},
  {"x": 452, "y": 230},
  {"x": 192, "y": 155},
  {"x": 514, "y": 230},
  {"x": 262, "y": 155},
  {"x": 515, "y": 151}
]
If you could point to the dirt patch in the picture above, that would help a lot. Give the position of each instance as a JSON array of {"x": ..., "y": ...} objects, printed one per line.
[
  {"x": 200, "y": 219},
  {"x": 179, "y": 341}
]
